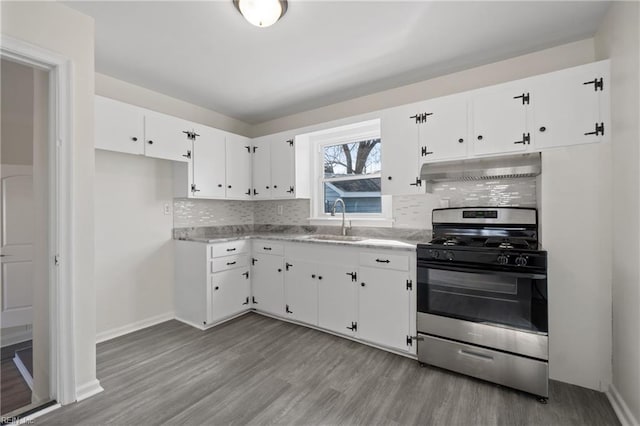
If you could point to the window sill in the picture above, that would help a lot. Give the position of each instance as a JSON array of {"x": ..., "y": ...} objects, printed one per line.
[{"x": 337, "y": 221}]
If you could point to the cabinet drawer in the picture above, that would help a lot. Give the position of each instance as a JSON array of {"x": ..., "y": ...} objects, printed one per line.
[
  {"x": 385, "y": 260},
  {"x": 268, "y": 247},
  {"x": 229, "y": 262},
  {"x": 230, "y": 248}
]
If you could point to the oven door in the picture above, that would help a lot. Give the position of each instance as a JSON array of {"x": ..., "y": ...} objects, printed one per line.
[{"x": 513, "y": 299}]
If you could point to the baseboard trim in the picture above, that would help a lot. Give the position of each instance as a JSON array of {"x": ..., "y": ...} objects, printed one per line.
[
  {"x": 88, "y": 390},
  {"x": 214, "y": 324},
  {"x": 15, "y": 338},
  {"x": 621, "y": 408},
  {"x": 130, "y": 328},
  {"x": 22, "y": 369}
]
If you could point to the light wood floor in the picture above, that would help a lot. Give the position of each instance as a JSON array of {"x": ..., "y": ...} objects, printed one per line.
[
  {"x": 257, "y": 370},
  {"x": 14, "y": 391}
]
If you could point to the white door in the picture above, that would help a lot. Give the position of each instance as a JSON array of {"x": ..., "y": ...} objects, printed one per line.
[
  {"x": 500, "y": 120},
  {"x": 118, "y": 126},
  {"x": 301, "y": 291},
  {"x": 267, "y": 283},
  {"x": 337, "y": 298},
  {"x": 17, "y": 245},
  {"x": 229, "y": 293},
  {"x": 400, "y": 152},
  {"x": 166, "y": 137},
  {"x": 238, "y": 167},
  {"x": 566, "y": 107},
  {"x": 443, "y": 134},
  {"x": 383, "y": 307},
  {"x": 261, "y": 169},
  {"x": 209, "y": 171},
  {"x": 283, "y": 174}
]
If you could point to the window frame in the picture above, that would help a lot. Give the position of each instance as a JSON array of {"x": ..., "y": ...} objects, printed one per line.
[{"x": 354, "y": 133}]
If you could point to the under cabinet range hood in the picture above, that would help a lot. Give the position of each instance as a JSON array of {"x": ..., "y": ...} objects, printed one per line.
[{"x": 508, "y": 166}]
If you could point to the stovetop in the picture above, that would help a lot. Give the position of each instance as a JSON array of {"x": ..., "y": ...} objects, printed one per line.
[{"x": 484, "y": 242}]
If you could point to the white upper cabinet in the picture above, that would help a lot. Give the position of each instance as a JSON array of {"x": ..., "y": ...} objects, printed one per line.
[
  {"x": 442, "y": 129},
  {"x": 238, "y": 170},
  {"x": 499, "y": 117},
  {"x": 571, "y": 106},
  {"x": 400, "y": 151},
  {"x": 261, "y": 169},
  {"x": 283, "y": 167},
  {"x": 209, "y": 164},
  {"x": 167, "y": 137},
  {"x": 119, "y": 126}
]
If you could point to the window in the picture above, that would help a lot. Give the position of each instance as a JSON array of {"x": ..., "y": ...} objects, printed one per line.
[
  {"x": 347, "y": 165},
  {"x": 352, "y": 172}
]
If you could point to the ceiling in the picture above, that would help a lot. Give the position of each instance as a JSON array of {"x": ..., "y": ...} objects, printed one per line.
[{"x": 320, "y": 52}]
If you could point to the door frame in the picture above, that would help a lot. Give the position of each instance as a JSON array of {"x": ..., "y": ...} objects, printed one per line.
[{"x": 60, "y": 139}]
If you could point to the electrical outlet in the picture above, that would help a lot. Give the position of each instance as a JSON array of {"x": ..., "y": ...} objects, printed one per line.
[
  {"x": 167, "y": 209},
  {"x": 280, "y": 210}
]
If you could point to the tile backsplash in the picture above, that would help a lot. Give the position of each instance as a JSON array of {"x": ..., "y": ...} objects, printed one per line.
[{"x": 409, "y": 211}]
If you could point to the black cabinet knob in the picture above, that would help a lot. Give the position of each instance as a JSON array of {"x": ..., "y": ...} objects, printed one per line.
[
  {"x": 313, "y": 276},
  {"x": 217, "y": 288},
  {"x": 543, "y": 129},
  {"x": 267, "y": 187},
  {"x": 150, "y": 142},
  {"x": 229, "y": 186},
  {"x": 479, "y": 137},
  {"x": 275, "y": 186},
  {"x": 390, "y": 178},
  {"x": 219, "y": 185},
  {"x": 362, "y": 284},
  {"x": 279, "y": 269},
  {"x": 134, "y": 139},
  {"x": 460, "y": 140},
  {"x": 319, "y": 277}
]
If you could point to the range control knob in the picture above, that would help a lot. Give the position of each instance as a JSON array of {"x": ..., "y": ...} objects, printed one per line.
[
  {"x": 503, "y": 259},
  {"x": 434, "y": 253},
  {"x": 521, "y": 261},
  {"x": 449, "y": 255}
]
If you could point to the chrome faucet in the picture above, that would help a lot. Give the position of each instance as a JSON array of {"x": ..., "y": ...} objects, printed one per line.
[{"x": 333, "y": 213}]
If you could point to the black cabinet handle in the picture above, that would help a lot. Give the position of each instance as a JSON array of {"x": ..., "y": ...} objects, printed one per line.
[
  {"x": 460, "y": 140},
  {"x": 231, "y": 249},
  {"x": 150, "y": 142},
  {"x": 543, "y": 129},
  {"x": 266, "y": 248},
  {"x": 479, "y": 137},
  {"x": 313, "y": 276},
  {"x": 229, "y": 186},
  {"x": 362, "y": 284},
  {"x": 266, "y": 187},
  {"x": 319, "y": 277},
  {"x": 275, "y": 186},
  {"x": 219, "y": 185},
  {"x": 216, "y": 288},
  {"x": 390, "y": 178},
  {"x": 134, "y": 139},
  {"x": 231, "y": 263},
  {"x": 383, "y": 261},
  {"x": 279, "y": 269}
]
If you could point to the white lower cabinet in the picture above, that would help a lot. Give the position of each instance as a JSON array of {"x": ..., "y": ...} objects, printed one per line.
[
  {"x": 384, "y": 305},
  {"x": 337, "y": 293},
  {"x": 267, "y": 283},
  {"x": 228, "y": 294},
  {"x": 301, "y": 291}
]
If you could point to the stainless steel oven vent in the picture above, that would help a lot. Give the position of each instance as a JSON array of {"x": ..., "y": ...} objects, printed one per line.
[{"x": 503, "y": 167}]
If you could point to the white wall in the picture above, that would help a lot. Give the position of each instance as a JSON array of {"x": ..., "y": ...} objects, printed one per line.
[
  {"x": 133, "y": 246},
  {"x": 17, "y": 113},
  {"x": 67, "y": 32},
  {"x": 618, "y": 38},
  {"x": 544, "y": 61}
]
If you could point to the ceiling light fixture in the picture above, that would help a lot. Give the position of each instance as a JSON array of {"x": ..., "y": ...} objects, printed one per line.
[{"x": 261, "y": 13}]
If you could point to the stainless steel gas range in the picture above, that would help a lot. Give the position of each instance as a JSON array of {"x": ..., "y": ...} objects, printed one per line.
[{"x": 482, "y": 297}]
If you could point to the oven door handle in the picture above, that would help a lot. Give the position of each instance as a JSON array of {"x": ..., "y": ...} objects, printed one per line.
[{"x": 530, "y": 275}]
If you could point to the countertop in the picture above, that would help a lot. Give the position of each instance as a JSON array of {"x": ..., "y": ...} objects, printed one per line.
[{"x": 358, "y": 241}]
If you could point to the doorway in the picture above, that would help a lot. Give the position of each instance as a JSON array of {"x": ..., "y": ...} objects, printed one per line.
[{"x": 25, "y": 378}]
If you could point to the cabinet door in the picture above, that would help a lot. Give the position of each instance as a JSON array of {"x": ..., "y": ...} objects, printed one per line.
[
  {"x": 229, "y": 294},
  {"x": 337, "y": 298},
  {"x": 400, "y": 152},
  {"x": 268, "y": 284},
  {"x": 261, "y": 169},
  {"x": 500, "y": 120},
  {"x": 301, "y": 291},
  {"x": 443, "y": 133},
  {"x": 165, "y": 137},
  {"x": 209, "y": 171},
  {"x": 238, "y": 167},
  {"x": 567, "y": 107},
  {"x": 383, "y": 307},
  {"x": 283, "y": 175},
  {"x": 119, "y": 126}
]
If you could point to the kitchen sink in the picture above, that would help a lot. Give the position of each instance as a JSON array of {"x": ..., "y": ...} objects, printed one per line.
[{"x": 351, "y": 238}]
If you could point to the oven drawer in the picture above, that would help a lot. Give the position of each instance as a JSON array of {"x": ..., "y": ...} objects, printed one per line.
[
  {"x": 505, "y": 339},
  {"x": 229, "y": 262},
  {"x": 385, "y": 260},
  {"x": 509, "y": 370}
]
